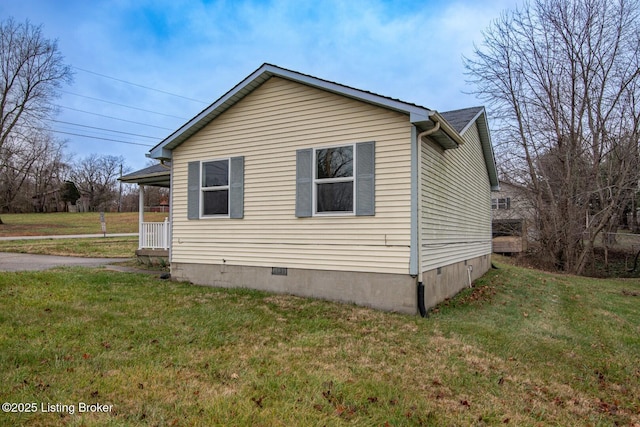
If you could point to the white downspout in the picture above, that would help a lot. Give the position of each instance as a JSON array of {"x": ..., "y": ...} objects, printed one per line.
[
  {"x": 421, "y": 308},
  {"x": 420, "y": 136}
]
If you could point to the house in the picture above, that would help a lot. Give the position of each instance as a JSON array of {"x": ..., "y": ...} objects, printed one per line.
[
  {"x": 513, "y": 219},
  {"x": 510, "y": 202},
  {"x": 48, "y": 201},
  {"x": 294, "y": 184},
  {"x": 62, "y": 198}
]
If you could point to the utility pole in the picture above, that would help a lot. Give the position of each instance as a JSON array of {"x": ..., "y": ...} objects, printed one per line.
[{"x": 120, "y": 193}]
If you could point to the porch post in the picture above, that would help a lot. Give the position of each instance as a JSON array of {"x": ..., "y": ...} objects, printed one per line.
[
  {"x": 165, "y": 234},
  {"x": 140, "y": 214}
]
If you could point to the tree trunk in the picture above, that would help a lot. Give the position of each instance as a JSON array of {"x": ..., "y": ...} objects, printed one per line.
[
  {"x": 587, "y": 255},
  {"x": 1, "y": 221},
  {"x": 634, "y": 215}
]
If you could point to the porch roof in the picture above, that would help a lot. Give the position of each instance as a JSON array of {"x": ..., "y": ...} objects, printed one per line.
[{"x": 158, "y": 175}]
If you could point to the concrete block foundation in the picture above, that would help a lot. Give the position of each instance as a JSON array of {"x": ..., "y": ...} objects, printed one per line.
[
  {"x": 153, "y": 256},
  {"x": 388, "y": 292},
  {"x": 444, "y": 282}
]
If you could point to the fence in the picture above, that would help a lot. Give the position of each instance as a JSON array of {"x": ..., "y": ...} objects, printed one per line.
[
  {"x": 155, "y": 235},
  {"x": 621, "y": 242}
]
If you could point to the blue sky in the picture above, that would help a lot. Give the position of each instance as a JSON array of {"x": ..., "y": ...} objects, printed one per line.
[{"x": 411, "y": 50}]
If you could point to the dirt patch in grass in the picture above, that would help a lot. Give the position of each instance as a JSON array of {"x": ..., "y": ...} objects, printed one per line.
[{"x": 628, "y": 293}]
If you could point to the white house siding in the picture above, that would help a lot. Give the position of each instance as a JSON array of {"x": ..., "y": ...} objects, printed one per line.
[
  {"x": 267, "y": 127},
  {"x": 456, "y": 215}
]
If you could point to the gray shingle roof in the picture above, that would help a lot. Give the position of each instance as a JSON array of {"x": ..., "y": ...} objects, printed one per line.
[
  {"x": 459, "y": 119},
  {"x": 156, "y": 175}
]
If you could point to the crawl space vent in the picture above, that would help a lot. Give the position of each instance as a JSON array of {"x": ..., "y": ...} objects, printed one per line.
[{"x": 278, "y": 271}]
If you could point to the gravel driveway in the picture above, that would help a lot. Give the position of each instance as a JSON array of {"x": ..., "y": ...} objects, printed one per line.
[{"x": 27, "y": 262}]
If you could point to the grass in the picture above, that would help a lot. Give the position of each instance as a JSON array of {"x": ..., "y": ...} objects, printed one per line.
[
  {"x": 521, "y": 348},
  {"x": 60, "y": 224},
  {"x": 109, "y": 247},
  {"x": 54, "y": 224}
]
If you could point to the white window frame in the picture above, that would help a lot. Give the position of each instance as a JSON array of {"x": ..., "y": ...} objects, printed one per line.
[
  {"x": 215, "y": 188},
  {"x": 501, "y": 203},
  {"x": 316, "y": 181}
]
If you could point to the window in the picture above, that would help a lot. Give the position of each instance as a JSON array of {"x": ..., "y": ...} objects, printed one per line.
[
  {"x": 502, "y": 203},
  {"x": 215, "y": 188},
  {"x": 334, "y": 179}
]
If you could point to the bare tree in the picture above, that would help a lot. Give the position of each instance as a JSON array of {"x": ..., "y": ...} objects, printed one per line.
[
  {"x": 32, "y": 70},
  {"x": 48, "y": 175},
  {"x": 19, "y": 164},
  {"x": 562, "y": 80},
  {"x": 96, "y": 178}
]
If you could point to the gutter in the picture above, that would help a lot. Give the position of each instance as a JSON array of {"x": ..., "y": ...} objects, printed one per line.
[
  {"x": 446, "y": 127},
  {"x": 418, "y": 228}
]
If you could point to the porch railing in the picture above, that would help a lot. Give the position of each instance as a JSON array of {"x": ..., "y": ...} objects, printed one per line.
[{"x": 155, "y": 235}]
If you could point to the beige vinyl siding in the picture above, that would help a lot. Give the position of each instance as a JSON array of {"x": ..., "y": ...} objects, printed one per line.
[
  {"x": 456, "y": 215},
  {"x": 267, "y": 127}
]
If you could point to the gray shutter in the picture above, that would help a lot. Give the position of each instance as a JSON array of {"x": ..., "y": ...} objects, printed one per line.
[
  {"x": 236, "y": 188},
  {"x": 304, "y": 170},
  {"x": 365, "y": 178},
  {"x": 193, "y": 190}
]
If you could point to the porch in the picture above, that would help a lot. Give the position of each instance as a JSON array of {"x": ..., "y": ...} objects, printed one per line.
[
  {"x": 154, "y": 238},
  {"x": 154, "y": 242}
]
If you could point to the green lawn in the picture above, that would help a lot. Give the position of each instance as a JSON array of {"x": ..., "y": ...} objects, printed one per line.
[
  {"x": 109, "y": 247},
  {"x": 48, "y": 224},
  {"x": 521, "y": 348}
]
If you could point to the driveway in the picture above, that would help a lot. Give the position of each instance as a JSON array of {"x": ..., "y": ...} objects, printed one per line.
[{"x": 27, "y": 262}]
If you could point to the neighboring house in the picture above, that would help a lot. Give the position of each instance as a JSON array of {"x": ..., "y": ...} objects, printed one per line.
[
  {"x": 58, "y": 199},
  {"x": 513, "y": 219},
  {"x": 294, "y": 184},
  {"x": 510, "y": 202},
  {"x": 48, "y": 201}
]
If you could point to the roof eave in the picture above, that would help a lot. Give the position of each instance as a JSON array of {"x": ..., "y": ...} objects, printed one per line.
[
  {"x": 446, "y": 136},
  {"x": 163, "y": 150},
  {"x": 487, "y": 148},
  {"x": 158, "y": 179}
]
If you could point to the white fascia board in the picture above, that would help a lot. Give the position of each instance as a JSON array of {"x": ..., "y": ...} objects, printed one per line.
[
  {"x": 160, "y": 153},
  {"x": 487, "y": 147},
  {"x": 163, "y": 149},
  {"x": 255, "y": 79},
  {"x": 416, "y": 113},
  {"x": 472, "y": 121}
]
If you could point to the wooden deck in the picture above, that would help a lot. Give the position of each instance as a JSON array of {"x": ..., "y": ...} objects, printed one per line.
[{"x": 509, "y": 244}]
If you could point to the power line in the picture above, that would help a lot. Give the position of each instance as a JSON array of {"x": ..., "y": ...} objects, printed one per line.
[
  {"x": 114, "y": 118},
  {"x": 73, "y": 133},
  {"x": 108, "y": 130},
  {"x": 103, "y": 139},
  {"x": 123, "y": 105},
  {"x": 139, "y": 85}
]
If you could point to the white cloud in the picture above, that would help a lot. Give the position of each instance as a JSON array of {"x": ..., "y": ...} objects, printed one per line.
[{"x": 408, "y": 50}]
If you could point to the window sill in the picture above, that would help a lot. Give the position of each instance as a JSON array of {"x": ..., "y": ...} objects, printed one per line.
[{"x": 333, "y": 214}]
